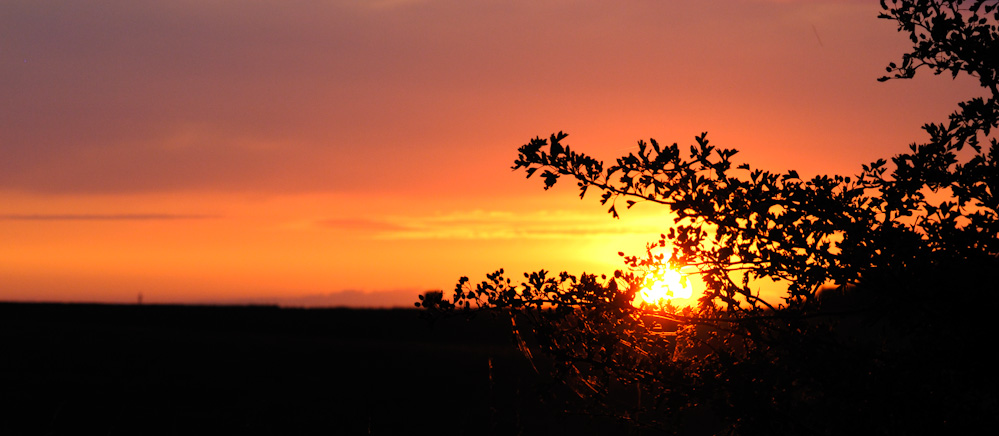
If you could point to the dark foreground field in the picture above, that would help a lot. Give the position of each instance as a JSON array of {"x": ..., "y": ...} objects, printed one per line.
[{"x": 112, "y": 370}]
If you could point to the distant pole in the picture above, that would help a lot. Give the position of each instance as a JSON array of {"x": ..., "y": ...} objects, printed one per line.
[{"x": 140, "y": 298}]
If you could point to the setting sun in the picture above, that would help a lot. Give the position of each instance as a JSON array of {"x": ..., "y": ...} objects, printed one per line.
[{"x": 670, "y": 286}]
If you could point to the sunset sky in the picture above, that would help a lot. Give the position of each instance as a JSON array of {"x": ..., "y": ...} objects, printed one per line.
[{"x": 358, "y": 152}]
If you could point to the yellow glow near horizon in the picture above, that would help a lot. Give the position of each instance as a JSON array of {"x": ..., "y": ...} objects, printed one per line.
[{"x": 671, "y": 286}]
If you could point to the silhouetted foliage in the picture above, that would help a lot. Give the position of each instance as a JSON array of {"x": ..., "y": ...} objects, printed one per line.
[{"x": 889, "y": 275}]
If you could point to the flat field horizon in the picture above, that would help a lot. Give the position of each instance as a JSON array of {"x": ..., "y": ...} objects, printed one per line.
[
  {"x": 345, "y": 299},
  {"x": 203, "y": 369}
]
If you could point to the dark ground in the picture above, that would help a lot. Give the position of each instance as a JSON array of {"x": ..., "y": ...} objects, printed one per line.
[{"x": 119, "y": 369}]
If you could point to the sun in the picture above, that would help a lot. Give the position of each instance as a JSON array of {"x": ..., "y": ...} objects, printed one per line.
[{"x": 669, "y": 286}]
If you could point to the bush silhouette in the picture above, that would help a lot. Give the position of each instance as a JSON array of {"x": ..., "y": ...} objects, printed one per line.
[{"x": 889, "y": 275}]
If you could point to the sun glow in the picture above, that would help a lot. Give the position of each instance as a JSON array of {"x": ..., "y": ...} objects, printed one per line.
[{"x": 667, "y": 286}]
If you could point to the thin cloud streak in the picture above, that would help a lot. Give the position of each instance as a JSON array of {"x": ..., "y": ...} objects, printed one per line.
[
  {"x": 104, "y": 217},
  {"x": 362, "y": 224},
  {"x": 480, "y": 224}
]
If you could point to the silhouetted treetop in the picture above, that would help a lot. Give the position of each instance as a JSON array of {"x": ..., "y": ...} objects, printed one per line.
[{"x": 889, "y": 274}]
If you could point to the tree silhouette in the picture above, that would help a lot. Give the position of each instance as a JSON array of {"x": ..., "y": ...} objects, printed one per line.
[{"x": 889, "y": 275}]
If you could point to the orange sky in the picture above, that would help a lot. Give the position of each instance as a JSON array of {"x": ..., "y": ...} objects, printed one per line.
[{"x": 358, "y": 152}]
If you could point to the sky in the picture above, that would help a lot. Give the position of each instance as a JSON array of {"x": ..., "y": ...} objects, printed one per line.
[{"x": 358, "y": 152}]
